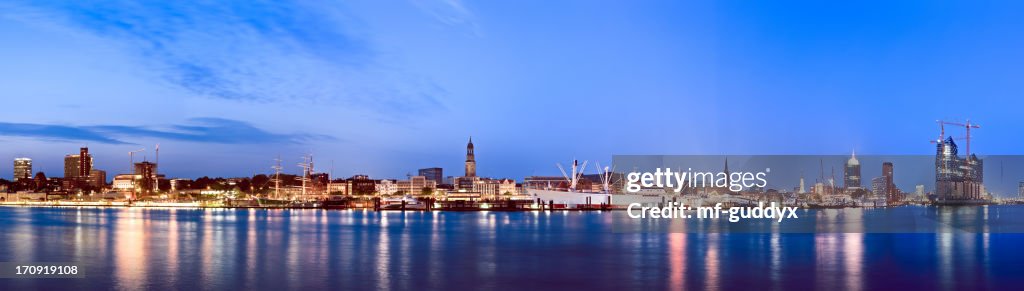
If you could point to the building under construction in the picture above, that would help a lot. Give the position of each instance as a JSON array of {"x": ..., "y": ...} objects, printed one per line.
[{"x": 957, "y": 180}]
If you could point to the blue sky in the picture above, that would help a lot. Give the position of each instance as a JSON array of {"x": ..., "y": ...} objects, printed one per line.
[{"x": 386, "y": 87}]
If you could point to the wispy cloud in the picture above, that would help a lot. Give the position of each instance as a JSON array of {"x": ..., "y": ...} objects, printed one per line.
[
  {"x": 54, "y": 132},
  {"x": 241, "y": 50},
  {"x": 201, "y": 130},
  {"x": 450, "y": 12}
]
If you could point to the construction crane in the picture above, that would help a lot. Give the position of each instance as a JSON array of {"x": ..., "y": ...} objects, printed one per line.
[
  {"x": 967, "y": 126},
  {"x": 131, "y": 159},
  {"x": 942, "y": 134},
  {"x": 131, "y": 168},
  {"x": 156, "y": 168}
]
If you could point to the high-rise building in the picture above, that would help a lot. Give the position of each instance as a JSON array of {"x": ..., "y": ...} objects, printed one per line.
[
  {"x": 433, "y": 174},
  {"x": 891, "y": 192},
  {"x": 77, "y": 167},
  {"x": 145, "y": 178},
  {"x": 71, "y": 167},
  {"x": 851, "y": 173},
  {"x": 878, "y": 187},
  {"x": 1020, "y": 189},
  {"x": 470, "y": 159},
  {"x": 22, "y": 168},
  {"x": 84, "y": 163},
  {"x": 957, "y": 179},
  {"x": 802, "y": 190}
]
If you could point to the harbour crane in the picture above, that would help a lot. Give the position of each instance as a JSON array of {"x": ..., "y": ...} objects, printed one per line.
[
  {"x": 575, "y": 178},
  {"x": 606, "y": 177}
]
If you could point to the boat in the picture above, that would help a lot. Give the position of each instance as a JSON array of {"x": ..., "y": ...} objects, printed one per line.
[
  {"x": 406, "y": 202},
  {"x": 573, "y": 198},
  {"x": 336, "y": 202}
]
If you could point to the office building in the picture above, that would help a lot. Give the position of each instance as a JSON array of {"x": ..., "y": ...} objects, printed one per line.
[
  {"x": 433, "y": 174},
  {"x": 22, "y": 168},
  {"x": 1020, "y": 189},
  {"x": 415, "y": 185},
  {"x": 98, "y": 178},
  {"x": 879, "y": 188},
  {"x": 851, "y": 173},
  {"x": 892, "y": 193},
  {"x": 145, "y": 179},
  {"x": 77, "y": 167},
  {"x": 361, "y": 185},
  {"x": 386, "y": 187}
]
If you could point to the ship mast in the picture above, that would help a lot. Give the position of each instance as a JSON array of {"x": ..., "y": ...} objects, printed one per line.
[
  {"x": 307, "y": 171},
  {"x": 277, "y": 178}
]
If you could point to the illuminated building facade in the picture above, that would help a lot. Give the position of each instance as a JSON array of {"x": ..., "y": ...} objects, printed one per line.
[
  {"x": 851, "y": 173},
  {"x": 22, "y": 168},
  {"x": 957, "y": 179}
]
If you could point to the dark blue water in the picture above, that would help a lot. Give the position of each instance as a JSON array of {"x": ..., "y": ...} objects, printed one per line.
[{"x": 167, "y": 249}]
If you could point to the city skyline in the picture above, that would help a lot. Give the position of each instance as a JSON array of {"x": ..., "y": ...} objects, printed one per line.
[
  {"x": 280, "y": 83},
  {"x": 511, "y": 145},
  {"x": 916, "y": 171}
]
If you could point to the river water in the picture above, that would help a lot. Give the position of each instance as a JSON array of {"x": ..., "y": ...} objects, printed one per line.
[{"x": 226, "y": 249}]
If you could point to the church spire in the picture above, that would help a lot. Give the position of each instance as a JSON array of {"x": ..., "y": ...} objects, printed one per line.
[
  {"x": 728, "y": 179},
  {"x": 470, "y": 159}
]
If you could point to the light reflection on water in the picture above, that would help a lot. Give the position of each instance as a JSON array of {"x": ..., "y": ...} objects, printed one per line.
[{"x": 294, "y": 249}]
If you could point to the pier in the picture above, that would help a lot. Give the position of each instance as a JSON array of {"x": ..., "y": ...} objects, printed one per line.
[{"x": 372, "y": 204}]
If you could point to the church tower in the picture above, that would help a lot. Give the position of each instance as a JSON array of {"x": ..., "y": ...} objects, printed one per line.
[{"x": 470, "y": 159}]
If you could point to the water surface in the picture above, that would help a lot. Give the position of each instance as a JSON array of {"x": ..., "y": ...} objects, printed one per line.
[{"x": 221, "y": 249}]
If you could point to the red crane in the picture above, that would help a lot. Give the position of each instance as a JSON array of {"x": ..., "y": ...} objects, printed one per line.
[
  {"x": 942, "y": 133},
  {"x": 967, "y": 126}
]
